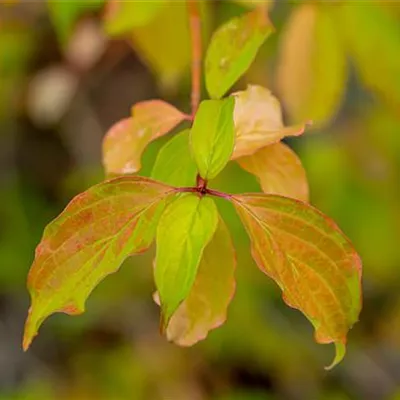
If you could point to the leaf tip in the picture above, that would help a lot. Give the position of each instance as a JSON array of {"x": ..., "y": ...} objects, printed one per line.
[
  {"x": 340, "y": 349},
  {"x": 30, "y": 331}
]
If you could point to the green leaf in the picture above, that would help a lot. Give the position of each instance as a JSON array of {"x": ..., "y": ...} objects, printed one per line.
[
  {"x": 126, "y": 140},
  {"x": 311, "y": 260},
  {"x": 174, "y": 163},
  {"x": 184, "y": 230},
  {"x": 122, "y": 16},
  {"x": 89, "y": 240},
  {"x": 212, "y": 136},
  {"x": 232, "y": 49},
  {"x": 312, "y": 70},
  {"x": 64, "y": 14},
  {"x": 206, "y": 306},
  {"x": 372, "y": 35}
]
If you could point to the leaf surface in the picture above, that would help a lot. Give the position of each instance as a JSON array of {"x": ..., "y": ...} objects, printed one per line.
[
  {"x": 258, "y": 121},
  {"x": 312, "y": 71},
  {"x": 206, "y": 306},
  {"x": 232, "y": 49},
  {"x": 184, "y": 230},
  {"x": 174, "y": 164},
  {"x": 311, "y": 260},
  {"x": 89, "y": 240},
  {"x": 122, "y": 16},
  {"x": 125, "y": 142},
  {"x": 212, "y": 136},
  {"x": 278, "y": 170}
]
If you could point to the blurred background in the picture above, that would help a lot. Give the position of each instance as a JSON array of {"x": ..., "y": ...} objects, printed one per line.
[{"x": 64, "y": 81}]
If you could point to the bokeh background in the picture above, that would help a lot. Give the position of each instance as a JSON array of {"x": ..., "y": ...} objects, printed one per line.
[{"x": 63, "y": 83}]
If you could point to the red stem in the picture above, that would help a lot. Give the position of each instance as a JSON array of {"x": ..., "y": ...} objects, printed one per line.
[{"x": 195, "y": 35}]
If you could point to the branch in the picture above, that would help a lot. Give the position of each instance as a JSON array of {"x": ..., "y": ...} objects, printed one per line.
[{"x": 195, "y": 35}]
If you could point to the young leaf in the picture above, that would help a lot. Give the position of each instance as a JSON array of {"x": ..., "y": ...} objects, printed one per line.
[
  {"x": 312, "y": 69},
  {"x": 258, "y": 121},
  {"x": 232, "y": 49},
  {"x": 88, "y": 241},
  {"x": 121, "y": 16},
  {"x": 206, "y": 306},
  {"x": 311, "y": 260},
  {"x": 125, "y": 142},
  {"x": 184, "y": 230},
  {"x": 64, "y": 14},
  {"x": 279, "y": 171},
  {"x": 174, "y": 163},
  {"x": 212, "y": 136}
]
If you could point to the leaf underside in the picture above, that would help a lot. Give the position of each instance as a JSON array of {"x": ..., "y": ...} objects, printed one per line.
[
  {"x": 89, "y": 240},
  {"x": 311, "y": 260}
]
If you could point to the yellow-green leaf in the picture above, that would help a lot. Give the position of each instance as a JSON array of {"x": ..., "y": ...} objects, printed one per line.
[
  {"x": 279, "y": 171},
  {"x": 125, "y": 141},
  {"x": 121, "y": 16},
  {"x": 312, "y": 70},
  {"x": 258, "y": 121},
  {"x": 89, "y": 240},
  {"x": 206, "y": 306},
  {"x": 311, "y": 260},
  {"x": 164, "y": 42},
  {"x": 212, "y": 136},
  {"x": 233, "y": 48},
  {"x": 184, "y": 230},
  {"x": 372, "y": 35},
  {"x": 174, "y": 163}
]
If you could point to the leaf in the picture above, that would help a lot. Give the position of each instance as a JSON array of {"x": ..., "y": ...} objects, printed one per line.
[
  {"x": 164, "y": 43},
  {"x": 174, "y": 163},
  {"x": 232, "y": 49},
  {"x": 312, "y": 70},
  {"x": 311, "y": 260},
  {"x": 121, "y": 16},
  {"x": 212, "y": 136},
  {"x": 64, "y": 14},
  {"x": 125, "y": 141},
  {"x": 279, "y": 171},
  {"x": 258, "y": 121},
  {"x": 206, "y": 306},
  {"x": 372, "y": 35},
  {"x": 184, "y": 230},
  {"x": 89, "y": 240}
]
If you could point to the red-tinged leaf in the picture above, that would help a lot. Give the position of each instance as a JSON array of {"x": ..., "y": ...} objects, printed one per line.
[
  {"x": 125, "y": 142},
  {"x": 311, "y": 260},
  {"x": 279, "y": 171},
  {"x": 89, "y": 240},
  {"x": 258, "y": 121},
  {"x": 206, "y": 306}
]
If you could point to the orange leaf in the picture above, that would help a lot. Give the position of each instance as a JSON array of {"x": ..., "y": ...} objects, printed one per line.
[
  {"x": 279, "y": 171},
  {"x": 206, "y": 306},
  {"x": 125, "y": 141},
  {"x": 89, "y": 240},
  {"x": 258, "y": 121},
  {"x": 311, "y": 260}
]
